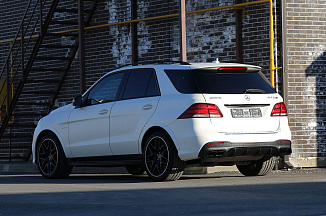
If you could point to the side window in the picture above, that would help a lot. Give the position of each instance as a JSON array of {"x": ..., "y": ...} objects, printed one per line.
[
  {"x": 106, "y": 90},
  {"x": 152, "y": 88},
  {"x": 137, "y": 83}
]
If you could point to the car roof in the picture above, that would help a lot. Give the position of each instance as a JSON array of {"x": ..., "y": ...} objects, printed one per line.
[{"x": 185, "y": 66}]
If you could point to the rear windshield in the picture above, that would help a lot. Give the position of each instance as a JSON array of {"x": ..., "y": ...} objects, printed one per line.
[{"x": 197, "y": 81}]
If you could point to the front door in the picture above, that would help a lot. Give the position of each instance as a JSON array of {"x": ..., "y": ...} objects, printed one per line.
[{"x": 89, "y": 125}]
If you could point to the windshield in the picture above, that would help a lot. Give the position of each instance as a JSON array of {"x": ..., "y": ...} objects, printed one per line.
[{"x": 197, "y": 81}]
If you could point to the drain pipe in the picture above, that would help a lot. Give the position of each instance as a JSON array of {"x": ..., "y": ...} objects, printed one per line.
[
  {"x": 272, "y": 67},
  {"x": 271, "y": 42},
  {"x": 275, "y": 53}
]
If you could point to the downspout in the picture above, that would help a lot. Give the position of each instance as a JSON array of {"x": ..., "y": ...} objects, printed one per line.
[
  {"x": 285, "y": 82},
  {"x": 275, "y": 53},
  {"x": 182, "y": 30},
  {"x": 271, "y": 42}
]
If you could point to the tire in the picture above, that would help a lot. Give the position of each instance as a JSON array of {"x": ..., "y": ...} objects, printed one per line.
[
  {"x": 135, "y": 169},
  {"x": 160, "y": 158},
  {"x": 51, "y": 160},
  {"x": 258, "y": 168}
]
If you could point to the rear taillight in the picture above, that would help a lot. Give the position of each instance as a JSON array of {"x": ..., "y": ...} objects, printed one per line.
[
  {"x": 215, "y": 143},
  {"x": 279, "y": 109},
  {"x": 285, "y": 141},
  {"x": 202, "y": 110}
]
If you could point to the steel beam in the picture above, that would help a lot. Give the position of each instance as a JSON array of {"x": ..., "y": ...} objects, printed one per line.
[
  {"x": 41, "y": 17},
  {"x": 22, "y": 50},
  {"x": 134, "y": 38},
  {"x": 238, "y": 26},
  {"x": 81, "y": 38},
  {"x": 182, "y": 30}
]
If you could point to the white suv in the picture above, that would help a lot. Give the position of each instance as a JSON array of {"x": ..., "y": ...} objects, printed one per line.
[{"x": 160, "y": 118}]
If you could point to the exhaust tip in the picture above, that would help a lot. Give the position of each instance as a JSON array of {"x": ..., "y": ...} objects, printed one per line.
[{"x": 285, "y": 151}]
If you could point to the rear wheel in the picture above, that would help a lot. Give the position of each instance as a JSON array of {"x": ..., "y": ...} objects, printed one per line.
[
  {"x": 51, "y": 160},
  {"x": 258, "y": 168},
  {"x": 160, "y": 158},
  {"x": 135, "y": 169}
]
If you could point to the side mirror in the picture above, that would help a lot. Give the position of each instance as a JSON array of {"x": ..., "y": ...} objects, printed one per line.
[{"x": 77, "y": 101}]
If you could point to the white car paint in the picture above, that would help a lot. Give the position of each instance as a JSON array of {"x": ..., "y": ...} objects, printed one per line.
[{"x": 120, "y": 132}]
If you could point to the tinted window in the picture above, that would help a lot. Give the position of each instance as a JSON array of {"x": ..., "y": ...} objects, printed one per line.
[
  {"x": 137, "y": 84},
  {"x": 106, "y": 90},
  {"x": 196, "y": 81},
  {"x": 152, "y": 88}
]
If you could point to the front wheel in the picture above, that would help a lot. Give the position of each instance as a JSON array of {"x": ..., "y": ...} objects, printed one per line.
[
  {"x": 135, "y": 169},
  {"x": 258, "y": 168},
  {"x": 51, "y": 160},
  {"x": 160, "y": 158}
]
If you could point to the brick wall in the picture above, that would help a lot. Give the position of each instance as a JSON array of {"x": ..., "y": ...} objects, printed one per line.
[
  {"x": 306, "y": 46},
  {"x": 210, "y": 35}
]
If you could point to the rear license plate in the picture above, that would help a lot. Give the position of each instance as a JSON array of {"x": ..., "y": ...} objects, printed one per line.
[{"x": 246, "y": 113}]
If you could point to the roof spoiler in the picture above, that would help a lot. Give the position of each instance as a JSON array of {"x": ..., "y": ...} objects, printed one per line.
[{"x": 230, "y": 69}]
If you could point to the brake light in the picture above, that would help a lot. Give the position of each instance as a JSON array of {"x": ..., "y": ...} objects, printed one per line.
[
  {"x": 285, "y": 141},
  {"x": 215, "y": 143},
  {"x": 231, "y": 68},
  {"x": 279, "y": 109},
  {"x": 202, "y": 110}
]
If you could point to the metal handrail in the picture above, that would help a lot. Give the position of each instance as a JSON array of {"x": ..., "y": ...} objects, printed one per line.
[
  {"x": 22, "y": 49},
  {"x": 24, "y": 31}
]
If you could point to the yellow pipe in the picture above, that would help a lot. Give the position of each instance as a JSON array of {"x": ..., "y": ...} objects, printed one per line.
[
  {"x": 271, "y": 41},
  {"x": 154, "y": 18}
]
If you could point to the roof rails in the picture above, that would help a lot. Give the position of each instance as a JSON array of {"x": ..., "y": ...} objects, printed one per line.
[{"x": 155, "y": 62}]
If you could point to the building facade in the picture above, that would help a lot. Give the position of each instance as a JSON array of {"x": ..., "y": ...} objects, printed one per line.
[{"x": 299, "y": 49}]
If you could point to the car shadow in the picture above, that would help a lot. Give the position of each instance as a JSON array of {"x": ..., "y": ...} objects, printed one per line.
[{"x": 24, "y": 178}]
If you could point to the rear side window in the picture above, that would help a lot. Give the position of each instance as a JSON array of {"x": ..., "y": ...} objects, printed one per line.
[
  {"x": 197, "y": 81},
  {"x": 141, "y": 83}
]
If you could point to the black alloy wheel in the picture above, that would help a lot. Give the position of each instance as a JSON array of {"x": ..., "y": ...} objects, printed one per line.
[
  {"x": 51, "y": 159},
  {"x": 258, "y": 168},
  {"x": 160, "y": 158},
  {"x": 157, "y": 156},
  {"x": 47, "y": 156}
]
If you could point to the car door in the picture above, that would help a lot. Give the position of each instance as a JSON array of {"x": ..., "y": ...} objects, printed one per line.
[
  {"x": 89, "y": 124},
  {"x": 130, "y": 114}
]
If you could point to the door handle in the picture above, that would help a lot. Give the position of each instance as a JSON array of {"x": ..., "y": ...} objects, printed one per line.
[
  {"x": 105, "y": 111},
  {"x": 148, "y": 106}
]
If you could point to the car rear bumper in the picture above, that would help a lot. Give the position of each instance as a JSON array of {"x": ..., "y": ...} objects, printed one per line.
[{"x": 229, "y": 151}]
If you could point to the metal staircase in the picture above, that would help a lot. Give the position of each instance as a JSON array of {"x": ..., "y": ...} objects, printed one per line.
[{"x": 38, "y": 62}]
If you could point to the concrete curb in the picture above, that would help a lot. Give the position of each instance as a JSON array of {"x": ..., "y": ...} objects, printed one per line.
[{"x": 31, "y": 168}]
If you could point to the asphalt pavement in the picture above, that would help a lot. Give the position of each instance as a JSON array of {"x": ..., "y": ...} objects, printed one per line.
[{"x": 296, "y": 192}]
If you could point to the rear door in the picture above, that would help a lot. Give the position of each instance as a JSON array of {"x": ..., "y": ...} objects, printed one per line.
[
  {"x": 138, "y": 102},
  {"x": 246, "y": 113},
  {"x": 245, "y": 99},
  {"x": 243, "y": 95}
]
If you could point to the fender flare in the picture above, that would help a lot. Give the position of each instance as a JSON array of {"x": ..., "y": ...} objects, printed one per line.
[
  {"x": 164, "y": 127},
  {"x": 56, "y": 133}
]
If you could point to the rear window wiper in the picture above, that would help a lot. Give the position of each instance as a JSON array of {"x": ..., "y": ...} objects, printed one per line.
[{"x": 257, "y": 91}]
